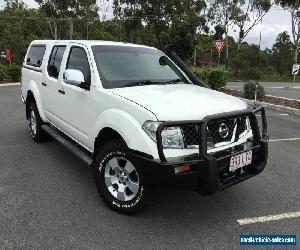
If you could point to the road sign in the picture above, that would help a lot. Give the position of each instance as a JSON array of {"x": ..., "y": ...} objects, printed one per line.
[
  {"x": 219, "y": 44},
  {"x": 296, "y": 68}
]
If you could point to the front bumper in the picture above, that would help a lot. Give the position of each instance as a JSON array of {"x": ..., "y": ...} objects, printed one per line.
[{"x": 209, "y": 173}]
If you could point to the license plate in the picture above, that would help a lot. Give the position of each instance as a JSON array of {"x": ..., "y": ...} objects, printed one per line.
[{"x": 240, "y": 160}]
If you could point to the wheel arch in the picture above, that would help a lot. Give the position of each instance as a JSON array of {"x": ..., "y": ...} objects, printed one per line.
[
  {"x": 116, "y": 123},
  {"x": 105, "y": 135},
  {"x": 33, "y": 94}
]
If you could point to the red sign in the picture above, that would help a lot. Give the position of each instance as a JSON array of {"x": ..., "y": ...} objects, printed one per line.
[
  {"x": 219, "y": 44},
  {"x": 8, "y": 55}
]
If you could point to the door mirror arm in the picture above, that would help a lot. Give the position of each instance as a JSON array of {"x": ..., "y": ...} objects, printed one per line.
[{"x": 84, "y": 85}]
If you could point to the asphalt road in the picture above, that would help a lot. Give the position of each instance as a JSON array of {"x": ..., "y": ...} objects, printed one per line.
[
  {"x": 281, "y": 89},
  {"x": 48, "y": 199}
]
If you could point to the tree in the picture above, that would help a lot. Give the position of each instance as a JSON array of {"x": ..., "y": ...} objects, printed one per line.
[
  {"x": 249, "y": 61},
  {"x": 257, "y": 9},
  {"x": 131, "y": 16},
  {"x": 224, "y": 13},
  {"x": 281, "y": 53},
  {"x": 19, "y": 27},
  {"x": 54, "y": 10},
  {"x": 293, "y": 6},
  {"x": 169, "y": 21},
  {"x": 87, "y": 11}
]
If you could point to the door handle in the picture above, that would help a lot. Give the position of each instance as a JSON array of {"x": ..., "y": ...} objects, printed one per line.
[
  {"x": 61, "y": 91},
  {"x": 44, "y": 84}
]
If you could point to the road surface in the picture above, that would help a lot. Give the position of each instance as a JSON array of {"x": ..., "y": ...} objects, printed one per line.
[
  {"x": 281, "y": 89},
  {"x": 48, "y": 199}
]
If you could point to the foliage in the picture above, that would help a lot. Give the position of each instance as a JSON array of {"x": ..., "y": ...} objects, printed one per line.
[
  {"x": 250, "y": 89},
  {"x": 293, "y": 6},
  {"x": 154, "y": 23},
  {"x": 252, "y": 15},
  {"x": 14, "y": 72},
  {"x": 2, "y": 72},
  {"x": 17, "y": 33},
  {"x": 168, "y": 21},
  {"x": 248, "y": 61},
  {"x": 216, "y": 78},
  {"x": 281, "y": 55}
]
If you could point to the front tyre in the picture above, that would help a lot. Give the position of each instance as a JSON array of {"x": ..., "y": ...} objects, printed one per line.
[
  {"x": 119, "y": 182},
  {"x": 35, "y": 123}
]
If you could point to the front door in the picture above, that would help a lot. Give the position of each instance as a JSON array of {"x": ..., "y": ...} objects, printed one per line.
[{"x": 77, "y": 111}]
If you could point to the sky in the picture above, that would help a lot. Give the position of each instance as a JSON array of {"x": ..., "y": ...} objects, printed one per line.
[{"x": 275, "y": 21}]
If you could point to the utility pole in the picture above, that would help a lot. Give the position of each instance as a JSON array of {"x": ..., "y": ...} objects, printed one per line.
[
  {"x": 55, "y": 30},
  {"x": 259, "y": 44},
  {"x": 226, "y": 37},
  {"x": 71, "y": 28}
]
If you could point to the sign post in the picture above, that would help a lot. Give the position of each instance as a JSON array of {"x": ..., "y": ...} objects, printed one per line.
[
  {"x": 295, "y": 71},
  {"x": 219, "y": 45}
]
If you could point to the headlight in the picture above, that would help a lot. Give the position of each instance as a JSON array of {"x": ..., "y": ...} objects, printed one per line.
[{"x": 171, "y": 136}]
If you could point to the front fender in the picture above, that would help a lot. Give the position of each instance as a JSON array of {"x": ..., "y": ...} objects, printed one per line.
[{"x": 128, "y": 127}]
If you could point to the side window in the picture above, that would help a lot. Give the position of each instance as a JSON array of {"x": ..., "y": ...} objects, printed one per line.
[
  {"x": 55, "y": 60},
  {"x": 35, "y": 55},
  {"x": 78, "y": 60}
]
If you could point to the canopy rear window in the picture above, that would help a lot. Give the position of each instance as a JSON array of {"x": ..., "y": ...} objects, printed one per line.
[{"x": 35, "y": 55}]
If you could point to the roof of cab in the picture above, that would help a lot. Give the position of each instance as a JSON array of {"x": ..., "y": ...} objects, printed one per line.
[{"x": 87, "y": 43}]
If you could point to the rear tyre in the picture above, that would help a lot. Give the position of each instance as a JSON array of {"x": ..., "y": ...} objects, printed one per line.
[
  {"x": 119, "y": 182},
  {"x": 35, "y": 123}
]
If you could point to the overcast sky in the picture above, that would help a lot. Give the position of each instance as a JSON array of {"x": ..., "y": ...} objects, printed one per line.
[{"x": 275, "y": 21}]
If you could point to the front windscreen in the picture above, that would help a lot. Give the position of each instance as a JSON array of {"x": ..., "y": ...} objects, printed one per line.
[{"x": 119, "y": 66}]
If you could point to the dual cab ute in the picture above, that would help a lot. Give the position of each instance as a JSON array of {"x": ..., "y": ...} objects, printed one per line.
[{"x": 140, "y": 118}]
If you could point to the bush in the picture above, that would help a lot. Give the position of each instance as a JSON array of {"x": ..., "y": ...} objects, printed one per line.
[
  {"x": 14, "y": 72},
  {"x": 250, "y": 88},
  {"x": 2, "y": 72},
  {"x": 269, "y": 70},
  {"x": 216, "y": 78},
  {"x": 251, "y": 73},
  {"x": 201, "y": 73}
]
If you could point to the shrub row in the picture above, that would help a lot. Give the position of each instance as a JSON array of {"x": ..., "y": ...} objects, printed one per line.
[
  {"x": 216, "y": 78},
  {"x": 10, "y": 72}
]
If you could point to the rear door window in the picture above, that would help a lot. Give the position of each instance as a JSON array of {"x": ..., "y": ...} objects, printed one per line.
[
  {"x": 35, "y": 55},
  {"x": 55, "y": 59}
]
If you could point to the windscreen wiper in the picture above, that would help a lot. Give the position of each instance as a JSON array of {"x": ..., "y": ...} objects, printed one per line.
[
  {"x": 149, "y": 82},
  {"x": 140, "y": 83},
  {"x": 173, "y": 81}
]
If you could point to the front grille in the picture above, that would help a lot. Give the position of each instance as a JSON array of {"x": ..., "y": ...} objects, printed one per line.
[
  {"x": 218, "y": 131},
  {"x": 190, "y": 136}
]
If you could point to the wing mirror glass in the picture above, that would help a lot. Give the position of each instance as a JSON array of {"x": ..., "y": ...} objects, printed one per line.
[{"x": 75, "y": 77}]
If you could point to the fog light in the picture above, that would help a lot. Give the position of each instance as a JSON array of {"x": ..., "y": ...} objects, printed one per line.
[{"x": 182, "y": 168}]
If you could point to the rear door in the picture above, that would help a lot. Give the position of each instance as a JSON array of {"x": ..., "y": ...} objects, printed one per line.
[{"x": 51, "y": 83}]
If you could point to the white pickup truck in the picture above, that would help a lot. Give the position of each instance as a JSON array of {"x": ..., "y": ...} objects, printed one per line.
[{"x": 140, "y": 118}]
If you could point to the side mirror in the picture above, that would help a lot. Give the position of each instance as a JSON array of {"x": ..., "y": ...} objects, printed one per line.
[{"x": 75, "y": 77}]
